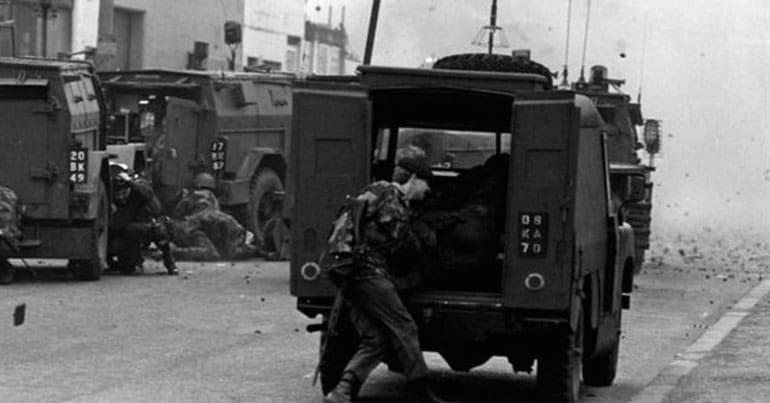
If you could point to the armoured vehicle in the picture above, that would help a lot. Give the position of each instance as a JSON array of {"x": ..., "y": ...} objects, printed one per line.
[
  {"x": 54, "y": 159},
  {"x": 234, "y": 125},
  {"x": 623, "y": 117},
  {"x": 539, "y": 265}
]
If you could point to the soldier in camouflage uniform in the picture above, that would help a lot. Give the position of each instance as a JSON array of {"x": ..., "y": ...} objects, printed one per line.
[
  {"x": 201, "y": 231},
  {"x": 380, "y": 318},
  {"x": 209, "y": 235},
  {"x": 200, "y": 198},
  {"x": 135, "y": 224}
]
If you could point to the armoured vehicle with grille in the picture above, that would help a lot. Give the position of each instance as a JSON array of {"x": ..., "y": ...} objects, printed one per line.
[
  {"x": 539, "y": 265},
  {"x": 174, "y": 124},
  {"x": 53, "y": 158}
]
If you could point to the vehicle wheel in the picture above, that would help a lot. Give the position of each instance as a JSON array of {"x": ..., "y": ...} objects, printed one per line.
[
  {"x": 7, "y": 272},
  {"x": 559, "y": 366},
  {"x": 337, "y": 353},
  {"x": 265, "y": 204},
  {"x": 91, "y": 269},
  {"x": 600, "y": 370}
]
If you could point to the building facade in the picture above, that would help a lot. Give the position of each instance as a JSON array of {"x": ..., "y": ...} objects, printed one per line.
[
  {"x": 175, "y": 34},
  {"x": 35, "y": 27},
  {"x": 273, "y": 33}
]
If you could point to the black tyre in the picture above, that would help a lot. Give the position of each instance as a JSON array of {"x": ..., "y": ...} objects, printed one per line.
[
  {"x": 600, "y": 370},
  {"x": 559, "y": 366},
  {"x": 265, "y": 204},
  {"x": 91, "y": 269},
  {"x": 7, "y": 272},
  {"x": 493, "y": 62}
]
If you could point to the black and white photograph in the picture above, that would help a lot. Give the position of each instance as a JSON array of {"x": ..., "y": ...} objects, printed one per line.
[{"x": 384, "y": 201}]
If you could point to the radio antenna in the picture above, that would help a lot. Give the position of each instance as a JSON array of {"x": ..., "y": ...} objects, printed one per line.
[
  {"x": 585, "y": 43},
  {"x": 565, "y": 73},
  {"x": 644, "y": 53}
]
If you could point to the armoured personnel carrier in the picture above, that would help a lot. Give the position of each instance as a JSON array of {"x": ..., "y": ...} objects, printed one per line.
[
  {"x": 623, "y": 117},
  {"x": 538, "y": 268},
  {"x": 54, "y": 159},
  {"x": 236, "y": 126}
]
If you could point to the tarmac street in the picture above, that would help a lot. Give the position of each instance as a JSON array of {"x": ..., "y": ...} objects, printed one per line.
[{"x": 231, "y": 332}]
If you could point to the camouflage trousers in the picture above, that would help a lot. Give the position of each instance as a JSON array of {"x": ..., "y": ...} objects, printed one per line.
[
  {"x": 384, "y": 327},
  {"x": 195, "y": 246},
  {"x": 209, "y": 235}
]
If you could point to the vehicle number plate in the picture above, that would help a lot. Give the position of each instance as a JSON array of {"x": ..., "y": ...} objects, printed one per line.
[
  {"x": 533, "y": 234},
  {"x": 218, "y": 155},
  {"x": 78, "y": 165}
]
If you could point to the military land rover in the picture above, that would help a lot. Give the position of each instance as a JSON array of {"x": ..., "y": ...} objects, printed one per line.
[{"x": 539, "y": 266}]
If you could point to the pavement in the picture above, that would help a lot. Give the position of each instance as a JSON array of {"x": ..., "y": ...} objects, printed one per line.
[{"x": 729, "y": 362}]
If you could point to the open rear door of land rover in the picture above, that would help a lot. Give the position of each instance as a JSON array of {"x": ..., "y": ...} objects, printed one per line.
[
  {"x": 539, "y": 263},
  {"x": 330, "y": 159}
]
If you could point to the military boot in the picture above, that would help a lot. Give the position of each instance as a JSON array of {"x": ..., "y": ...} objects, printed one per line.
[
  {"x": 345, "y": 390},
  {"x": 169, "y": 263}
]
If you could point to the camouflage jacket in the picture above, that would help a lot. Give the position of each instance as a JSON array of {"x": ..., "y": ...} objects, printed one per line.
[
  {"x": 386, "y": 229},
  {"x": 195, "y": 201},
  {"x": 9, "y": 229},
  {"x": 222, "y": 229}
]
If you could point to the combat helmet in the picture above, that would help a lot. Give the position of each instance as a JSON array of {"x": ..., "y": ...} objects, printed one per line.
[{"x": 204, "y": 180}]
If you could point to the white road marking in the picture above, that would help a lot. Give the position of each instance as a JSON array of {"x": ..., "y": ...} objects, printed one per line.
[{"x": 657, "y": 390}]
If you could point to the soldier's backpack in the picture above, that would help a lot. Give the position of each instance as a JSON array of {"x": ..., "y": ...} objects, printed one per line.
[{"x": 338, "y": 263}]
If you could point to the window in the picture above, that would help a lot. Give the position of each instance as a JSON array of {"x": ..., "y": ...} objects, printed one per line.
[
  {"x": 291, "y": 60},
  {"x": 334, "y": 61},
  {"x": 322, "y": 59},
  {"x": 453, "y": 148},
  {"x": 293, "y": 44}
]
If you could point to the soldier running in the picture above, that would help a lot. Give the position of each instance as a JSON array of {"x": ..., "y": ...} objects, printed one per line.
[{"x": 379, "y": 316}]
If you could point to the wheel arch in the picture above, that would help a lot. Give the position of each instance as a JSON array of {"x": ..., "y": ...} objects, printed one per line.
[{"x": 260, "y": 158}]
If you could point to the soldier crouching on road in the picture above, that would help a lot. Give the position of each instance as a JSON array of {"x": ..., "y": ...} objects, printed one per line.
[
  {"x": 201, "y": 231},
  {"x": 135, "y": 223},
  {"x": 370, "y": 295}
]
